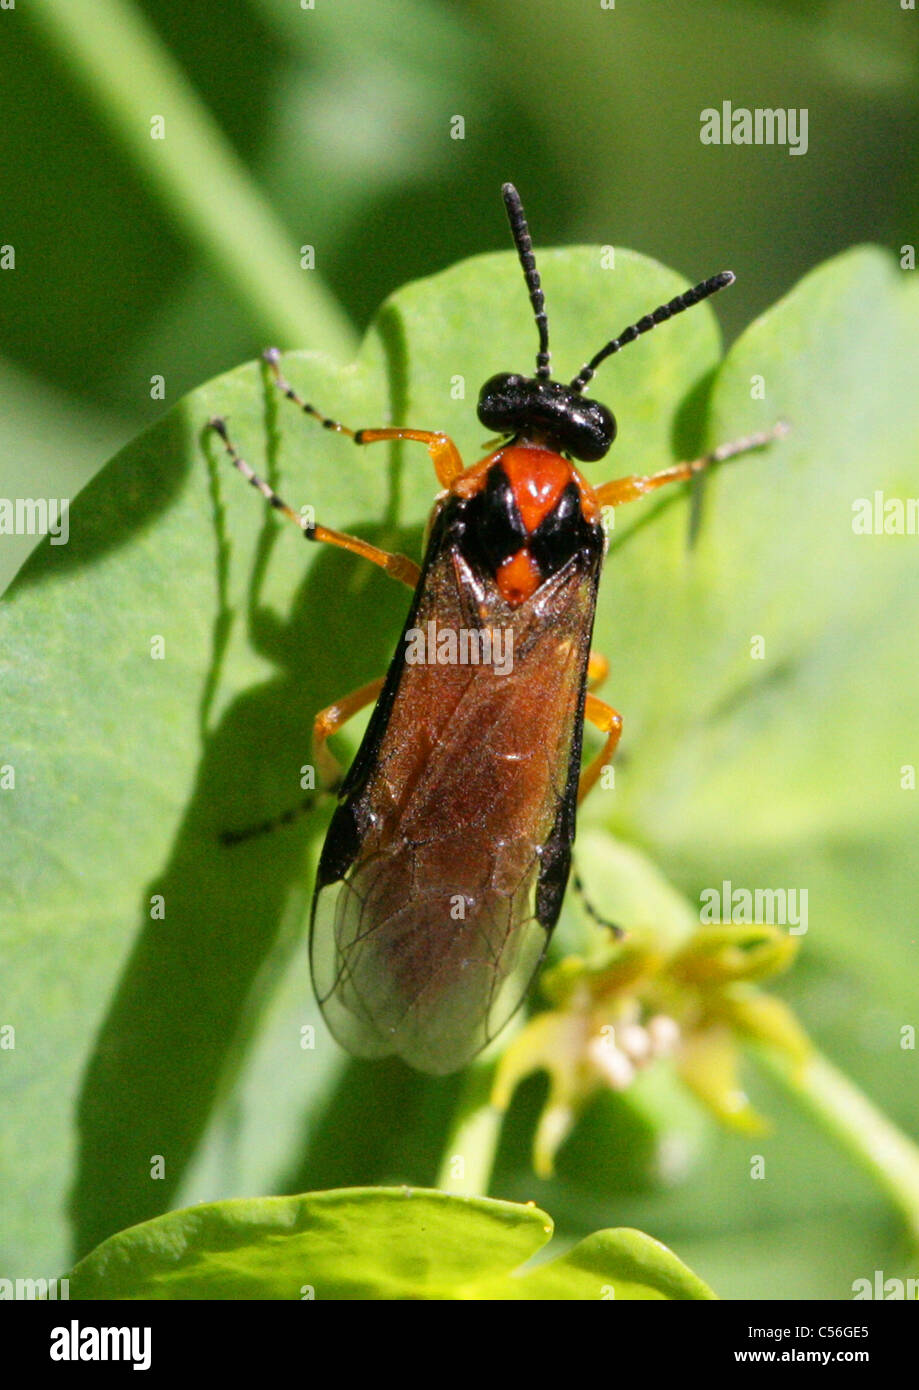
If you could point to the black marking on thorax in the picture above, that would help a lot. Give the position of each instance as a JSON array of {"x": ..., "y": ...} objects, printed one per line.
[{"x": 489, "y": 530}]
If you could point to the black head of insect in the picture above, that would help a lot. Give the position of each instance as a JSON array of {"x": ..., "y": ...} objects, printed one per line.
[{"x": 541, "y": 410}]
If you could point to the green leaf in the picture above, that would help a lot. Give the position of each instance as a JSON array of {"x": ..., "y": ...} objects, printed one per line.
[
  {"x": 57, "y": 461},
  {"x": 180, "y": 1039},
  {"x": 130, "y": 1028},
  {"x": 373, "y": 1243}
]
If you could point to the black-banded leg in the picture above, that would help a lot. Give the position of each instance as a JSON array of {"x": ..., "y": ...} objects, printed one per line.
[
  {"x": 397, "y": 566},
  {"x": 448, "y": 465},
  {"x": 327, "y": 722},
  {"x": 267, "y": 827},
  {"x": 621, "y": 490},
  {"x": 577, "y": 884}
]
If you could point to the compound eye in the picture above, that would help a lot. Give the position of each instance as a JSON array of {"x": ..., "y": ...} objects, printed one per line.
[
  {"x": 595, "y": 433},
  {"x": 606, "y": 424},
  {"x": 501, "y": 401},
  {"x": 500, "y": 384}
]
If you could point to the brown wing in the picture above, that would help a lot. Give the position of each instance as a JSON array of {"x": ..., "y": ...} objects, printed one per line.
[{"x": 446, "y": 862}]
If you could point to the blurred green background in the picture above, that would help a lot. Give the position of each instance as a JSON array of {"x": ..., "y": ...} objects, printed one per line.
[
  {"x": 331, "y": 127},
  {"x": 335, "y": 123}
]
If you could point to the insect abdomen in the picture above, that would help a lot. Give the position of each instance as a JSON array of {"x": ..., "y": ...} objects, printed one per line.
[{"x": 445, "y": 865}]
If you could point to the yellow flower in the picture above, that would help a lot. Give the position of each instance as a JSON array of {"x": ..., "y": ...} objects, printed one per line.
[{"x": 632, "y": 1004}]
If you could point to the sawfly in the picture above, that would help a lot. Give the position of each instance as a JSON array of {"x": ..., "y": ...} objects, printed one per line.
[{"x": 448, "y": 854}]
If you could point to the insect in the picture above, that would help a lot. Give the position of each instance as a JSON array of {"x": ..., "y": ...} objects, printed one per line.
[{"x": 449, "y": 851}]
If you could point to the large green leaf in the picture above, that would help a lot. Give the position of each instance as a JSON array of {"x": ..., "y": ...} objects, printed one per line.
[
  {"x": 373, "y": 1243},
  {"x": 181, "y": 1038},
  {"x": 130, "y": 1028}
]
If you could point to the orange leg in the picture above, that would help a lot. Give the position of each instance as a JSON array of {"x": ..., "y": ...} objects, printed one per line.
[
  {"x": 597, "y": 669},
  {"x": 628, "y": 489},
  {"x": 444, "y": 454},
  {"x": 329, "y": 720},
  {"x": 609, "y": 722},
  {"x": 326, "y": 723},
  {"x": 397, "y": 566}
]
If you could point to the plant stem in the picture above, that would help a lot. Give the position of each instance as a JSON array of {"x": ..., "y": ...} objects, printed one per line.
[
  {"x": 885, "y": 1153},
  {"x": 204, "y": 188},
  {"x": 469, "y": 1153}
]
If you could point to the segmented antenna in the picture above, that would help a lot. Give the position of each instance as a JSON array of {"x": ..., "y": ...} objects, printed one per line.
[
  {"x": 521, "y": 234},
  {"x": 660, "y": 315}
]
